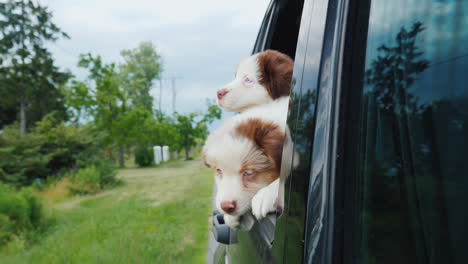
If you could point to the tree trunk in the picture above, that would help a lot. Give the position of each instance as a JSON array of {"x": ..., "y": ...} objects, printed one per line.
[
  {"x": 23, "y": 115},
  {"x": 121, "y": 156},
  {"x": 187, "y": 150}
]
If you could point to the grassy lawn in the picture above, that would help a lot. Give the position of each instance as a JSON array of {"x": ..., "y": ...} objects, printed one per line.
[{"x": 160, "y": 215}]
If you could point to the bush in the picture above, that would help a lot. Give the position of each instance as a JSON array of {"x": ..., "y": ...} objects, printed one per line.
[
  {"x": 50, "y": 149},
  {"x": 144, "y": 156},
  {"x": 85, "y": 181},
  {"x": 93, "y": 178},
  {"x": 21, "y": 213}
]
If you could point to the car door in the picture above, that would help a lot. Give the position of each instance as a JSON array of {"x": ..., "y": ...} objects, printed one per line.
[{"x": 389, "y": 177}]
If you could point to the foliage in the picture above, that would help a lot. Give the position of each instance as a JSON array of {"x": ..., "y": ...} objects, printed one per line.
[
  {"x": 21, "y": 213},
  {"x": 112, "y": 105},
  {"x": 53, "y": 190},
  {"x": 141, "y": 222},
  {"x": 160, "y": 130},
  {"x": 117, "y": 99},
  {"x": 49, "y": 150},
  {"x": 193, "y": 126},
  {"x": 93, "y": 178},
  {"x": 109, "y": 101},
  {"x": 144, "y": 156},
  {"x": 142, "y": 66},
  {"x": 77, "y": 97},
  {"x": 28, "y": 76}
]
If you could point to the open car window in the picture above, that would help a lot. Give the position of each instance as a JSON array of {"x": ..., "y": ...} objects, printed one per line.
[{"x": 279, "y": 31}]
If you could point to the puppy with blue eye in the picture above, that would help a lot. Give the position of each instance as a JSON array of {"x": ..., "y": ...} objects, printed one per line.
[
  {"x": 245, "y": 153},
  {"x": 246, "y": 150},
  {"x": 259, "y": 79}
]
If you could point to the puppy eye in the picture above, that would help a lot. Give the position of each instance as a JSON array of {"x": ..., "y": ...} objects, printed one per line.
[
  {"x": 219, "y": 172},
  {"x": 248, "y": 81},
  {"x": 247, "y": 173}
]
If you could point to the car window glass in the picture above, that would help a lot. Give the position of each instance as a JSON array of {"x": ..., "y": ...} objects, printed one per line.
[{"x": 411, "y": 202}]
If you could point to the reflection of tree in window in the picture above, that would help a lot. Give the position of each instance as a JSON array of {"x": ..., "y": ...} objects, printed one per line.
[
  {"x": 393, "y": 73},
  {"x": 413, "y": 159},
  {"x": 389, "y": 183}
]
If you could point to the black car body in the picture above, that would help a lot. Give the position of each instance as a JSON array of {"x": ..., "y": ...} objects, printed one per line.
[{"x": 379, "y": 118}]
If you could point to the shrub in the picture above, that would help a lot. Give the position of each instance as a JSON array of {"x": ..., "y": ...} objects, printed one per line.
[
  {"x": 6, "y": 229},
  {"x": 93, "y": 178},
  {"x": 54, "y": 190},
  {"x": 85, "y": 181},
  {"x": 107, "y": 174},
  {"x": 144, "y": 156},
  {"x": 50, "y": 149},
  {"x": 21, "y": 213}
]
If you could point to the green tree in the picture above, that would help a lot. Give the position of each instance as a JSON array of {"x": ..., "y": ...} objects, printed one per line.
[
  {"x": 108, "y": 98},
  {"x": 142, "y": 66},
  {"x": 159, "y": 130},
  {"x": 29, "y": 79},
  {"x": 194, "y": 126},
  {"x": 78, "y": 99},
  {"x": 110, "y": 105}
]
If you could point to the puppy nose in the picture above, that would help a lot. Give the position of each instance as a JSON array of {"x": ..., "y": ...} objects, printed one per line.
[
  {"x": 221, "y": 93},
  {"x": 228, "y": 206}
]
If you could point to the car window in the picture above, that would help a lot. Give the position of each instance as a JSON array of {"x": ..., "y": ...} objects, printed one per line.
[
  {"x": 410, "y": 198},
  {"x": 264, "y": 241}
]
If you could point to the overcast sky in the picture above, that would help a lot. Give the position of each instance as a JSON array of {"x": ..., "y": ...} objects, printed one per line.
[{"x": 201, "y": 41}]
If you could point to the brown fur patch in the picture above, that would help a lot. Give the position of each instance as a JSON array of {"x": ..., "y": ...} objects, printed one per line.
[
  {"x": 267, "y": 136},
  {"x": 276, "y": 71},
  {"x": 264, "y": 169}
]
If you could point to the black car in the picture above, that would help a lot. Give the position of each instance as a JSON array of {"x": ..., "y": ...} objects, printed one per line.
[{"x": 379, "y": 118}]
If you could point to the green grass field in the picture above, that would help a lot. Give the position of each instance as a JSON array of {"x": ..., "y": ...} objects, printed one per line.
[{"x": 159, "y": 215}]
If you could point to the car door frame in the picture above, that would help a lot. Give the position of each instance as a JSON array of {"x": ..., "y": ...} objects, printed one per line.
[{"x": 325, "y": 244}]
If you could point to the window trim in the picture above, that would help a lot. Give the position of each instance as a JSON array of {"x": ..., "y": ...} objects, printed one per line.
[
  {"x": 261, "y": 41},
  {"x": 344, "y": 177},
  {"x": 319, "y": 230}
]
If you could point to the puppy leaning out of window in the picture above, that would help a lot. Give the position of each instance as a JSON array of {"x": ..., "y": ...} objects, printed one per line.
[
  {"x": 259, "y": 79},
  {"x": 246, "y": 151}
]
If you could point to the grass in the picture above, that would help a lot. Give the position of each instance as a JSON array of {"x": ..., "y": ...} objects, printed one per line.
[{"x": 159, "y": 215}]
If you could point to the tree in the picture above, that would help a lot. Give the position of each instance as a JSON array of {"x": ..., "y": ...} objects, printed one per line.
[
  {"x": 110, "y": 104},
  {"x": 142, "y": 66},
  {"x": 29, "y": 79},
  {"x": 395, "y": 70},
  {"x": 193, "y": 126},
  {"x": 108, "y": 99},
  {"x": 78, "y": 99},
  {"x": 159, "y": 130}
]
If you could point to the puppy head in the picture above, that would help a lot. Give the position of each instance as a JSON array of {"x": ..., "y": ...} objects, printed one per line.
[
  {"x": 259, "y": 79},
  {"x": 245, "y": 160}
]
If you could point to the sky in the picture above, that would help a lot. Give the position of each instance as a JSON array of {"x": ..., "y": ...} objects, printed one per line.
[{"x": 201, "y": 42}]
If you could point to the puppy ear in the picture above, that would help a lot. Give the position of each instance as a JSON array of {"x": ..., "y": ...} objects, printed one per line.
[
  {"x": 267, "y": 136},
  {"x": 276, "y": 71}
]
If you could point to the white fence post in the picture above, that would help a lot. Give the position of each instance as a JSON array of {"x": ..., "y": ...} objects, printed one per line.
[
  {"x": 166, "y": 155},
  {"x": 157, "y": 154}
]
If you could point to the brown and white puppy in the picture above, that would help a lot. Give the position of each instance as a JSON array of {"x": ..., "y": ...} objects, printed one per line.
[
  {"x": 260, "y": 79},
  {"x": 245, "y": 152}
]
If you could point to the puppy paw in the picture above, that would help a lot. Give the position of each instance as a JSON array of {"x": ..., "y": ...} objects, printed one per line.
[
  {"x": 264, "y": 201},
  {"x": 232, "y": 221}
]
